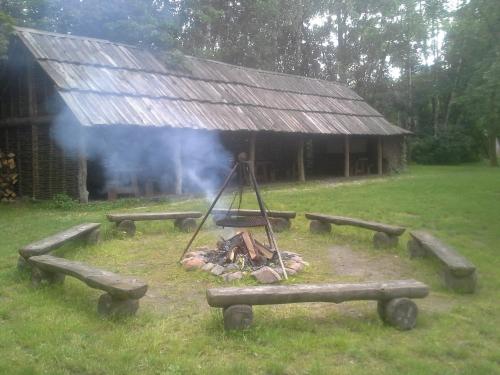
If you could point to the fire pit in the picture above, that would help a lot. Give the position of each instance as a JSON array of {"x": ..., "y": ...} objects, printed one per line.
[{"x": 241, "y": 255}]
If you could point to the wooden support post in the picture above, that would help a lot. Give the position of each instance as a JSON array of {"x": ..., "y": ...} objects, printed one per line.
[
  {"x": 300, "y": 161},
  {"x": 251, "y": 150},
  {"x": 19, "y": 163},
  {"x": 32, "y": 112},
  {"x": 149, "y": 188},
  {"x": 379, "y": 155},
  {"x": 51, "y": 169},
  {"x": 35, "y": 184},
  {"x": 346, "y": 155},
  {"x": 83, "y": 193},
  {"x": 178, "y": 165}
]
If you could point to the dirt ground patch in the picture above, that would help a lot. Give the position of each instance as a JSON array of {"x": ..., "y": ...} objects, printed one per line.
[{"x": 363, "y": 266}]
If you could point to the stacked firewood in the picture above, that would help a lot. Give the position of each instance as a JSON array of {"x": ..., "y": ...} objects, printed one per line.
[
  {"x": 243, "y": 244},
  {"x": 8, "y": 177}
]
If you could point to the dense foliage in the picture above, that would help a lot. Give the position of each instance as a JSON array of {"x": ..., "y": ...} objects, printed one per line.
[
  {"x": 449, "y": 148},
  {"x": 431, "y": 66}
]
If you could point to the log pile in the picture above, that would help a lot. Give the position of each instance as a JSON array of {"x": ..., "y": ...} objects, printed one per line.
[{"x": 8, "y": 177}]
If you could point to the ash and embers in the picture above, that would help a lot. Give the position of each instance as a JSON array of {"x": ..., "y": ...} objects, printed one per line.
[{"x": 243, "y": 255}]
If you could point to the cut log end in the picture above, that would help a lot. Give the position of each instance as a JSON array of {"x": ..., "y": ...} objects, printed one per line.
[
  {"x": 381, "y": 305},
  {"x": 22, "y": 264},
  {"x": 238, "y": 317},
  {"x": 459, "y": 284},
  {"x": 186, "y": 225},
  {"x": 382, "y": 240},
  {"x": 279, "y": 224},
  {"x": 415, "y": 250},
  {"x": 318, "y": 227},
  {"x": 127, "y": 226},
  {"x": 39, "y": 277},
  {"x": 400, "y": 313},
  {"x": 94, "y": 237},
  {"x": 111, "y": 306}
]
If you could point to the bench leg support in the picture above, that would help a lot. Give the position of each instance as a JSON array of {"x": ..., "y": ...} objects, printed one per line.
[
  {"x": 382, "y": 240},
  {"x": 414, "y": 249},
  {"x": 237, "y": 317},
  {"x": 112, "y": 306},
  {"x": 127, "y": 226},
  {"x": 94, "y": 237},
  {"x": 316, "y": 226},
  {"x": 398, "y": 312},
  {"x": 186, "y": 225},
  {"x": 39, "y": 276},
  {"x": 459, "y": 283},
  {"x": 280, "y": 224},
  {"x": 22, "y": 264}
]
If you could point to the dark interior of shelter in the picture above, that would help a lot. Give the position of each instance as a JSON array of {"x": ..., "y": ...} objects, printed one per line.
[{"x": 140, "y": 162}]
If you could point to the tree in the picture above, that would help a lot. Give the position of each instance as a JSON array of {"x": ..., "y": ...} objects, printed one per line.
[
  {"x": 473, "y": 53},
  {"x": 389, "y": 51},
  {"x": 150, "y": 23},
  {"x": 6, "y": 23}
]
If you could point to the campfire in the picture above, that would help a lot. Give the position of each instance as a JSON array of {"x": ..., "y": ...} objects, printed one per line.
[{"x": 243, "y": 254}]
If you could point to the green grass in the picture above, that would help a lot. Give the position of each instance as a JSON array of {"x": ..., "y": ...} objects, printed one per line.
[{"x": 55, "y": 329}]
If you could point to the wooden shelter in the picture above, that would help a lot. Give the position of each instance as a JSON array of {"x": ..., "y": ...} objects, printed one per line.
[{"x": 291, "y": 126}]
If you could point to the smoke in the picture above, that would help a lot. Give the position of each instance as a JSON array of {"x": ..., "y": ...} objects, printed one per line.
[{"x": 115, "y": 153}]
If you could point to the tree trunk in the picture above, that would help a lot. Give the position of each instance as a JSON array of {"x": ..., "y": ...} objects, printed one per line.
[
  {"x": 341, "y": 44},
  {"x": 449, "y": 105},
  {"x": 435, "y": 114},
  {"x": 451, "y": 100},
  {"x": 410, "y": 96},
  {"x": 299, "y": 21},
  {"x": 492, "y": 149}
]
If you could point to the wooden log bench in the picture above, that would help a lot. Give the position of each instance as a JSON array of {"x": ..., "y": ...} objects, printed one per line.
[
  {"x": 385, "y": 235},
  {"x": 89, "y": 231},
  {"x": 185, "y": 221},
  {"x": 394, "y": 304},
  {"x": 122, "y": 293},
  {"x": 458, "y": 273},
  {"x": 280, "y": 220}
]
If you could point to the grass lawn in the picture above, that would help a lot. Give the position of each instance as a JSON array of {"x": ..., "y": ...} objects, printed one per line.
[{"x": 56, "y": 330}]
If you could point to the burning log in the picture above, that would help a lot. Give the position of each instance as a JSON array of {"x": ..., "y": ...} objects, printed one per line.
[
  {"x": 264, "y": 250},
  {"x": 243, "y": 244},
  {"x": 248, "y": 241},
  {"x": 8, "y": 177}
]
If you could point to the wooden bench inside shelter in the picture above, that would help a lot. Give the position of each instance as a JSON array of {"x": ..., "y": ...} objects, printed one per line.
[
  {"x": 385, "y": 236},
  {"x": 90, "y": 231},
  {"x": 280, "y": 220},
  {"x": 122, "y": 293},
  {"x": 395, "y": 306},
  {"x": 458, "y": 273},
  {"x": 185, "y": 221}
]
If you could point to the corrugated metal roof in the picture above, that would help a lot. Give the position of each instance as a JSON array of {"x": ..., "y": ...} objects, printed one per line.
[{"x": 105, "y": 83}]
